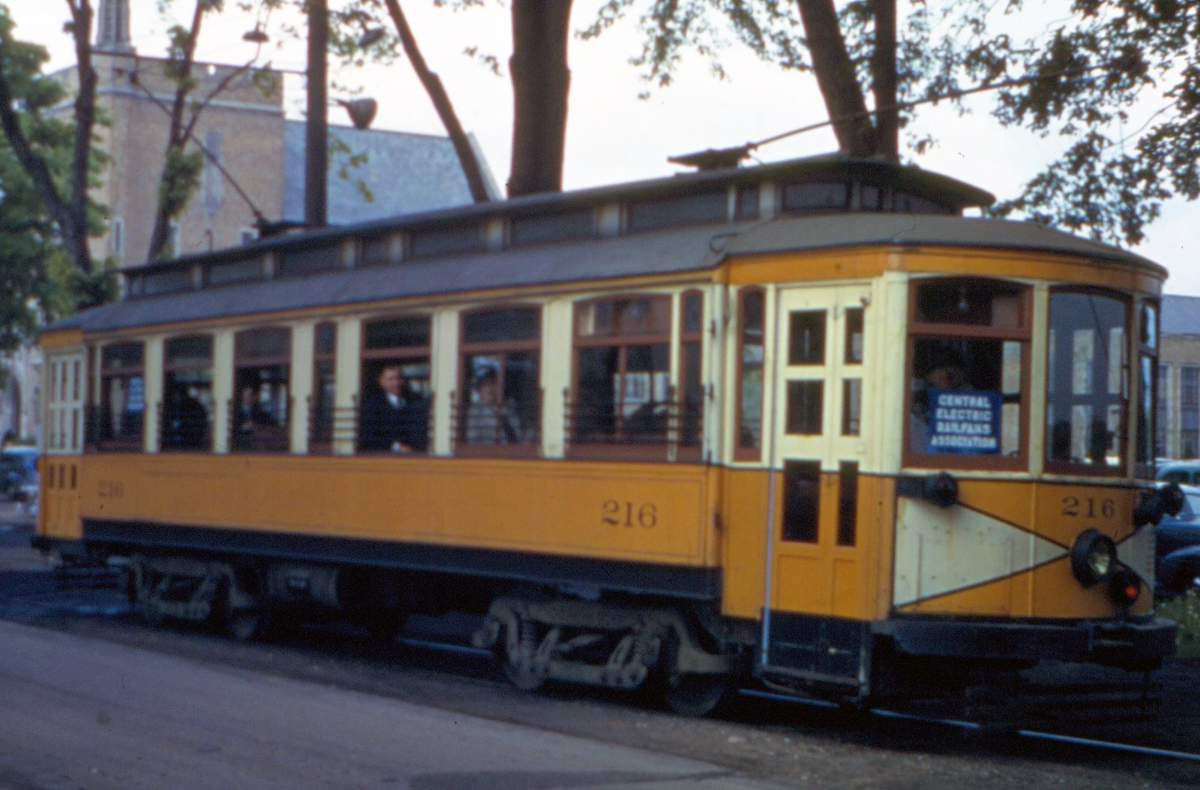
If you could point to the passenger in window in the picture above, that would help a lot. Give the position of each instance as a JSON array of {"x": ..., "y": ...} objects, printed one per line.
[
  {"x": 489, "y": 419},
  {"x": 251, "y": 415},
  {"x": 187, "y": 428},
  {"x": 389, "y": 421}
]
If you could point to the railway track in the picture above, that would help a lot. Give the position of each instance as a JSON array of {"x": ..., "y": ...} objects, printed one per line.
[{"x": 887, "y": 714}]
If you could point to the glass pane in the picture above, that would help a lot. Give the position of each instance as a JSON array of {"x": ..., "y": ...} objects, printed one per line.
[
  {"x": 751, "y": 385},
  {"x": 693, "y": 396},
  {"x": 1148, "y": 326},
  {"x": 805, "y": 407},
  {"x": 642, "y": 315},
  {"x": 801, "y": 500},
  {"x": 847, "y": 503},
  {"x": 192, "y": 351},
  {"x": 513, "y": 323},
  {"x": 851, "y": 407},
  {"x": 807, "y": 197},
  {"x": 693, "y": 307},
  {"x": 594, "y": 413},
  {"x": 806, "y": 344},
  {"x": 1146, "y": 401},
  {"x": 123, "y": 407},
  {"x": 966, "y": 397},
  {"x": 270, "y": 343},
  {"x": 971, "y": 302},
  {"x": 122, "y": 355},
  {"x": 394, "y": 416},
  {"x": 703, "y": 207},
  {"x": 854, "y": 335},
  {"x": 397, "y": 333},
  {"x": 325, "y": 339},
  {"x": 553, "y": 227},
  {"x": 1086, "y": 402}
]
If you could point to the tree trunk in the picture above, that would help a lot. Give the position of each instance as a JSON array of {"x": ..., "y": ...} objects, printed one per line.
[
  {"x": 176, "y": 139},
  {"x": 441, "y": 102},
  {"x": 835, "y": 75},
  {"x": 316, "y": 146},
  {"x": 883, "y": 83},
  {"x": 541, "y": 81}
]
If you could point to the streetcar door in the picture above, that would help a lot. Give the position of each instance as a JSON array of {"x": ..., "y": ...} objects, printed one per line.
[{"x": 818, "y": 609}]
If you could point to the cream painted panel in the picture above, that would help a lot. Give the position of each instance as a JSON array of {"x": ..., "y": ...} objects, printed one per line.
[
  {"x": 300, "y": 383},
  {"x": 349, "y": 345},
  {"x": 1037, "y": 379},
  {"x": 222, "y": 384},
  {"x": 713, "y": 371},
  {"x": 152, "y": 370},
  {"x": 555, "y": 373},
  {"x": 444, "y": 375},
  {"x": 891, "y": 334},
  {"x": 1137, "y": 551},
  {"x": 939, "y": 550}
]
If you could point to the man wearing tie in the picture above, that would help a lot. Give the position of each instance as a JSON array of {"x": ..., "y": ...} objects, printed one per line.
[{"x": 389, "y": 422}]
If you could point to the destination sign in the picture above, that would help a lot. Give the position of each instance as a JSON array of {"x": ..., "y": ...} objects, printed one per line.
[{"x": 963, "y": 421}]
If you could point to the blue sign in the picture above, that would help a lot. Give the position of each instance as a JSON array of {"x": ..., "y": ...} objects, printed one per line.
[{"x": 966, "y": 422}]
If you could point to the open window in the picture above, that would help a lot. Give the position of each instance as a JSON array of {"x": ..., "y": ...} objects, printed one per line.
[
  {"x": 623, "y": 403},
  {"x": 1087, "y": 382},
  {"x": 750, "y": 356},
  {"x": 499, "y": 409},
  {"x": 968, "y": 360},
  {"x": 118, "y": 420},
  {"x": 187, "y": 408},
  {"x": 258, "y": 418},
  {"x": 396, "y": 391}
]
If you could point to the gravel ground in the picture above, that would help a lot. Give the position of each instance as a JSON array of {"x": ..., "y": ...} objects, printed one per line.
[{"x": 796, "y": 744}]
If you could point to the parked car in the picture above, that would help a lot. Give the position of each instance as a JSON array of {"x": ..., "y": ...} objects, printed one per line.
[
  {"x": 1177, "y": 546},
  {"x": 18, "y": 473},
  {"x": 1182, "y": 472}
]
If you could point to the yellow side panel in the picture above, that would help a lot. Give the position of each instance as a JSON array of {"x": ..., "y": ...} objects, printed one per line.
[
  {"x": 641, "y": 512},
  {"x": 744, "y": 541},
  {"x": 1064, "y": 510},
  {"x": 802, "y": 584},
  {"x": 58, "y": 500}
]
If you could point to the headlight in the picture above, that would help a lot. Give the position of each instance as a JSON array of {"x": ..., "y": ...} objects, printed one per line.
[{"x": 1093, "y": 557}]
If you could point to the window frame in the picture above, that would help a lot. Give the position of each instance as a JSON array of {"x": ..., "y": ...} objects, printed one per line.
[
  {"x": 501, "y": 347},
  {"x": 1121, "y": 470},
  {"x": 1152, "y": 350},
  {"x": 316, "y": 447},
  {"x": 399, "y": 355},
  {"x": 616, "y": 449},
  {"x": 114, "y": 445},
  {"x": 915, "y": 330},
  {"x": 690, "y": 453},
  {"x": 240, "y": 363},
  {"x": 741, "y": 453},
  {"x": 167, "y": 368}
]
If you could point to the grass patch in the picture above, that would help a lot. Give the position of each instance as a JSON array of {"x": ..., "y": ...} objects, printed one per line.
[{"x": 1184, "y": 610}]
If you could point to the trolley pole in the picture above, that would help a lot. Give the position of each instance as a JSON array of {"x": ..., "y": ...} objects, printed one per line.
[{"x": 316, "y": 154}]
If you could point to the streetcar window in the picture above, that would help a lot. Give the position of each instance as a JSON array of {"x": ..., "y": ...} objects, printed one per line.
[
  {"x": 805, "y": 402},
  {"x": 187, "y": 410},
  {"x": 324, "y": 392},
  {"x": 691, "y": 338},
  {"x": 853, "y": 353},
  {"x": 851, "y": 406},
  {"x": 623, "y": 353},
  {"x": 565, "y": 225},
  {"x": 445, "y": 241},
  {"x": 1147, "y": 378},
  {"x": 170, "y": 281},
  {"x": 685, "y": 210},
  {"x": 816, "y": 196},
  {"x": 396, "y": 392},
  {"x": 308, "y": 259},
  {"x": 751, "y": 323},
  {"x": 968, "y": 351},
  {"x": 1086, "y": 397},
  {"x": 262, "y": 405},
  {"x": 500, "y": 403},
  {"x": 806, "y": 344},
  {"x": 847, "y": 534},
  {"x": 375, "y": 251},
  {"x": 747, "y": 203},
  {"x": 801, "y": 501},
  {"x": 117, "y": 425},
  {"x": 235, "y": 272}
]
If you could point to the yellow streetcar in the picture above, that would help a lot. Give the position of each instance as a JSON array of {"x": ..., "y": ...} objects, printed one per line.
[{"x": 800, "y": 422}]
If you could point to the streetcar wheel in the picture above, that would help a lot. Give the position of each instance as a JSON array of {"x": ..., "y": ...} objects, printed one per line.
[{"x": 694, "y": 694}]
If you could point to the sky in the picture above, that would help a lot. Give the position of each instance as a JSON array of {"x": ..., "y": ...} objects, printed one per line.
[{"x": 613, "y": 135}]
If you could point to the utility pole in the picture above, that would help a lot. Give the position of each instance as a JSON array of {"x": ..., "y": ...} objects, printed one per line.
[{"x": 316, "y": 149}]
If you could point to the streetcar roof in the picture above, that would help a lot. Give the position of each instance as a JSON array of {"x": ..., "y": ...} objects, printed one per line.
[{"x": 671, "y": 250}]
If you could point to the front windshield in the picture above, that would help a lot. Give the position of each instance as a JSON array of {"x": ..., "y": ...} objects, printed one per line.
[{"x": 1087, "y": 397}]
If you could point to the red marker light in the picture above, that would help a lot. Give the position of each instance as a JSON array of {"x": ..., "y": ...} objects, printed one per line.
[{"x": 1131, "y": 592}]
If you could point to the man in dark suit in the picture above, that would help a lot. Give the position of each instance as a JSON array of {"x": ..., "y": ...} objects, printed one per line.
[{"x": 389, "y": 422}]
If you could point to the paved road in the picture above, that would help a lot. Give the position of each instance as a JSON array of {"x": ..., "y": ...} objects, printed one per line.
[{"x": 81, "y": 713}]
